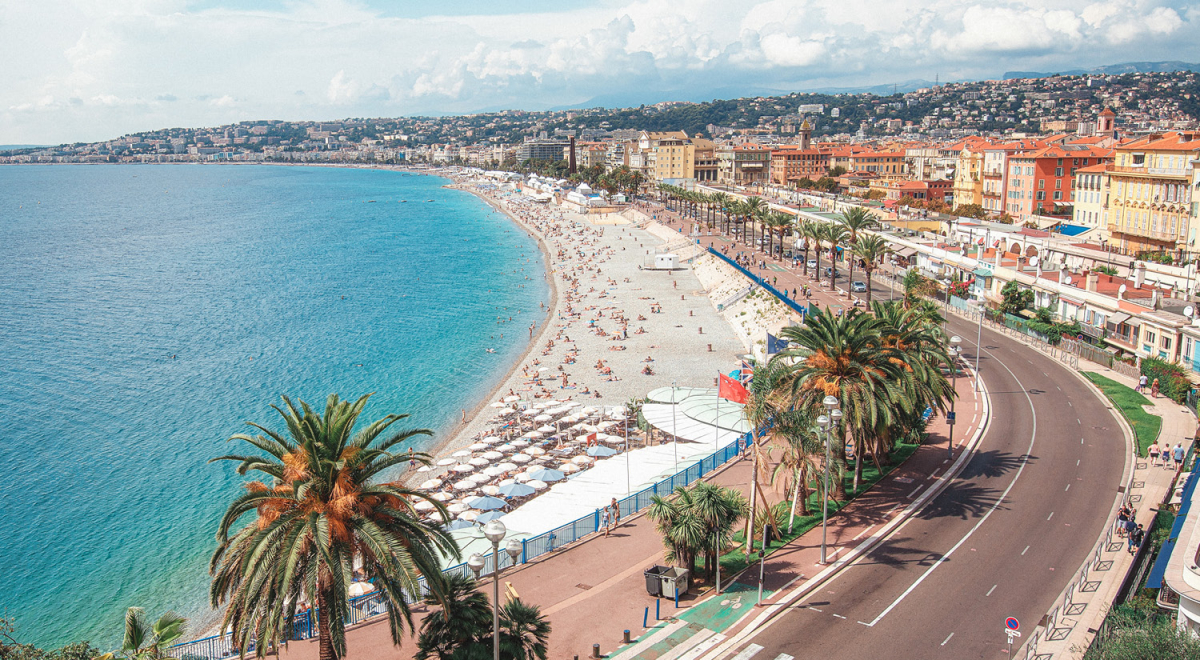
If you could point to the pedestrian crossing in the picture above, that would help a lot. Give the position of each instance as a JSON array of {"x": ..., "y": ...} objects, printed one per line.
[{"x": 753, "y": 649}]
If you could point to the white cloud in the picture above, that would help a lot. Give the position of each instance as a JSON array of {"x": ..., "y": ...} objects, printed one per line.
[{"x": 78, "y": 69}]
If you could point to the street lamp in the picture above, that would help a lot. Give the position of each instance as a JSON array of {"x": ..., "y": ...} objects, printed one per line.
[
  {"x": 824, "y": 422},
  {"x": 954, "y": 350},
  {"x": 494, "y": 531}
]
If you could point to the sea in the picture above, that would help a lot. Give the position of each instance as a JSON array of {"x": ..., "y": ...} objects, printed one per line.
[{"x": 147, "y": 312}]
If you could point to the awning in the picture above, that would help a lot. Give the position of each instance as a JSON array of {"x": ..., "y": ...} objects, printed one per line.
[
  {"x": 906, "y": 252},
  {"x": 982, "y": 272},
  {"x": 1071, "y": 301},
  {"x": 1117, "y": 319},
  {"x": 1155, "y": 580}
]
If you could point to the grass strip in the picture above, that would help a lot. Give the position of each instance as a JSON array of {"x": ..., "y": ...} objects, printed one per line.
[
  {"x": 735, "y": 560},
  {"x": 1145, "y": 426}
]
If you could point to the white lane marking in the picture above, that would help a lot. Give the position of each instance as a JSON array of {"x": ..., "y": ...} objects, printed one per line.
[
  {"x": 1079, "y": 421},
  {"x": 748, "y": 652},
  {"x": 1067, "y": 488},
  {"x": 1081, "y": 441},
  {"x": 1025, "y": 550},
  {"x": 1070, "y": 404},
  {"x": 910, "y": 495},
  {"x": 1077, "y": 462},
  {"x": 1050, "y": 516},
  {"x": 933, "y": 475},
  {"x": 989, "y": 593},
  {"x": 947, "y": 639},
  {"x": 784, "y": 656},
  {"x": 815, "y": 609},
  {"x": 839, "y": 616},
  {"x": 990, "y": 511},
  {"x": 860, "y": 534}
]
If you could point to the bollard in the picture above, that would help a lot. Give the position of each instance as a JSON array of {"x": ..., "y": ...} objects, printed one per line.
[
  {"x": 681, "y": 297},
  {"x": 701, "y": 330},
  {"x": 646, "y": 617},
  {"x": 626, "y": 636},
  {"x": 657, "y": 603},
  {"x": 676, "y": 596},
  {"x": 595, "y": 650},
  {"x": 710, "y": 348}
]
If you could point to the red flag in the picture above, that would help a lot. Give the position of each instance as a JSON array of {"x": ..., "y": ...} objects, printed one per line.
[{"x": 731, "y": 390}]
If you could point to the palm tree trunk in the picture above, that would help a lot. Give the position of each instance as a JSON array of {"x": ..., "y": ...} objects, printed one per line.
[
  {"x": 839, "y": 487},
  {"x": 753, "y": 509},
  {"x": 795, "y": 496},
  {"x": 869, "y": 270},
  {"x": 325, "y": 636}
]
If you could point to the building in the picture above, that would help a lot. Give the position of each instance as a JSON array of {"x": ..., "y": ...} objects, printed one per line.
[
  {"x": 939, "y": 190},
  {"x": 1091, "y": 198},
  {"x": 674, "y": 158},
  {"x": 1151, "y": 195},
  {"x": 968, "y": 178},
  {"x": 542, "y": 149},
  {"x": 1040, "y": 180},
  {"x": 790, "y": 163},
  {"x": 743, "y": 165},
  {"x": 705, "y": 163}
]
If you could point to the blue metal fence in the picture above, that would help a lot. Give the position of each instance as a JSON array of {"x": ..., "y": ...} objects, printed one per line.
[
  {"x": 304, "y": 624},
  {"x": 783, "y": 297}
]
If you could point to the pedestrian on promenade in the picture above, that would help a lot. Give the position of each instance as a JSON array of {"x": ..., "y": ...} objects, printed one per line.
[
  {"x": 1136, "y": 538},
  {"x": 1177, "y": 454},
  {"x": 1141, "y": 386},
  {"x": 1122, "y": 518},
  {"x": 1154, "y": 389},
  {"x": 616, "y": 513},
  {"x": 1153, "y": 452},
  {"x": 1130, "y": 527},
  {"x": 604, "y": 519}
]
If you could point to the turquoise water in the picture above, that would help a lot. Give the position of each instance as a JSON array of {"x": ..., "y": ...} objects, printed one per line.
[{"x": 148, "y": 311}]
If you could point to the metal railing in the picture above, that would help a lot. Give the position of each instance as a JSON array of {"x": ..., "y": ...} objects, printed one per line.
[
  {"x": 304, "y": 624},
  {"x": 783, "y": 297}
]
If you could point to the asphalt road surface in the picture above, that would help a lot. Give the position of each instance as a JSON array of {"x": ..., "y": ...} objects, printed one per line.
[{"x": 1002, "y": 540}]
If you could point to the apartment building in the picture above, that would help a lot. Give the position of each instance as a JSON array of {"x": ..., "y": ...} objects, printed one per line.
[
  {"x": 1091, "y": 198},
  {"x": 673, "y": 158},
  {"x": 790, "y": 163},
  {"x": 1040, "y": 181},
  {"x": 744, "y": 165},
  {"x": 1151, "y": 193},
  {"x": 968, "y": 177}
]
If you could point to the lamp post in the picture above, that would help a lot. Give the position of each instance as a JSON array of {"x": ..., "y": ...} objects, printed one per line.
[
  {"x": 494, "y": 531},
  {"x": 825, "y": 422},
  {"x": 954, "y": 350},
  {"x": 978, "y": 343}
]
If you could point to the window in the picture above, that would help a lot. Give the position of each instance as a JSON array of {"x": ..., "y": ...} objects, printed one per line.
[
  {"x": 1150, "y": 337},
  {"x": 1166, "y": 343},
  {"x": 1057, "y": 194},
  {"x": 1041, "y": 184},
  {"x": 1058, "y": 184},
  {"x": 1058, "y": 171},
  {"x": 1041, "y": 195},
  {"x": 1139, "y": 159}
]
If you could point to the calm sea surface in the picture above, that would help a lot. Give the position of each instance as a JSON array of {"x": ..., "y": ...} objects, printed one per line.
[{"x": 146, "y": 312}]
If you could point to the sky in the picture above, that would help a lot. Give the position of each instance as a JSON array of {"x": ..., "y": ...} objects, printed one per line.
[{"x": 88, "y": 70}]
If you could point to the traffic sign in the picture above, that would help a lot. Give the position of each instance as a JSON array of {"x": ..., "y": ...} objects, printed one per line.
[
  {"x": 950, "y": 416},
  {"x": 1012, "y": 624}
]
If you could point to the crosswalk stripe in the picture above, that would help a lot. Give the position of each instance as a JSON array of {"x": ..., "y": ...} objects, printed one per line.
[
  {"x": 784, "y": 656},
  {"x": 748, "y": 652}
]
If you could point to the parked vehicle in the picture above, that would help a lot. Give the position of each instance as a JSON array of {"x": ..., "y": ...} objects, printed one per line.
[{"x": 858, "y": 287}]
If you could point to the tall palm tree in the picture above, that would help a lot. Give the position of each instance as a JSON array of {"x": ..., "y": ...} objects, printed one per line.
[
  {"x": 871, "y": 249},
  {"x": 836, "y": 236},
  {"x": 761, "y": 406},
  {"x": 805, "y": 230},
  {"x": 750, "y": 210},
  {"x": 719, "y": 510},
  {"x": 843, "y": 357},
  {"x": 855, "y": 219},
  {"x": 465, "y": 616},
  {"x": 801, "y": 455},
  {"x": 321, "y": 509},
  {"x": 681, "y": 529},
  {"x": 722, "y": 201},
  {"x": 524, "y": 631}
]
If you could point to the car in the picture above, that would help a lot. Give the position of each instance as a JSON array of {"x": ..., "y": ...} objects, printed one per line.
[
  {"x": 812, "y": 263},
  {"x": 858, "y": 287}
]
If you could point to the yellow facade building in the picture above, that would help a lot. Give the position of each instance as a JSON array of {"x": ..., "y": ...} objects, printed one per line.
[
  {"x": 1150, "y": 193},
  {"x": 968, "y": 178}
]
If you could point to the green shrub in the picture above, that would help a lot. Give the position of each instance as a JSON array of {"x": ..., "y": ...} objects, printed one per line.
[{"x": 1173, "y": 381}]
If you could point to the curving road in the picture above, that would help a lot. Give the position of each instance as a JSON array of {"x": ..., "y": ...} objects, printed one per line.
[{"x": 1003, "y": 539}]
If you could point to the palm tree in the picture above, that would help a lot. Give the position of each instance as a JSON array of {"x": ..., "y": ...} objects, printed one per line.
[
  {"x": 750, "y": 209},
  {"x": 148, "y": 641},
  {"x": 871, "y": 249},
  {"x": 466, "y": 616},
  {"x": 761, "y": 406},
  {"x": 856, "y": 219},
  {"x": 777, "y": 221},
  {"x": 805, "y": 229},
  {"x": 524, "y": 632},
  {"x": 321, "y": 510},
  {"x": 800, "y": 458},
  {"x": 843, "y": 357},
  {"x": 836, "y": 236},
  {"x": 719, "y": 510},
  {"x": 697, "y": 520},
  {"x": 681, "y": 529}
]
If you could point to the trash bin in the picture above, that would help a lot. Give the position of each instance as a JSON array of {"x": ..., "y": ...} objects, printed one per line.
[
  {"x": 654, "y": 579},
  {"x": 672, "y": 579}
]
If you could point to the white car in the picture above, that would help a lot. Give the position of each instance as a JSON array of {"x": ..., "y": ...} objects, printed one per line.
[
  {"x": 812, "y": 263},
  {"x": 858, "y": 287}
]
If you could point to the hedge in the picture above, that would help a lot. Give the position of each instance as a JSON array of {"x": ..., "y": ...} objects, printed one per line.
[{"x": 1173, "y": 381}]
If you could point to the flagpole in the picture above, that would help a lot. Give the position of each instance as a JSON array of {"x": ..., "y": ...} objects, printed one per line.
[{"x": 717, "y": 421}]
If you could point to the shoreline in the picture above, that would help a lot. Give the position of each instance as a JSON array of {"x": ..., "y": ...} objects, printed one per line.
[{"x": 456, "y": 436}]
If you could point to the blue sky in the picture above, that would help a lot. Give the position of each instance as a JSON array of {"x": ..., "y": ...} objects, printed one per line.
[{"x": 90, "y": 70}]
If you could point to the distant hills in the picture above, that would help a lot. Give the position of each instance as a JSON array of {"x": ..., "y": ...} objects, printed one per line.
[{"x": 1111, "y": 69}]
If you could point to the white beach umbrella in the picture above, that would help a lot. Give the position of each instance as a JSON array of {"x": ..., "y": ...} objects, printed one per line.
[
  {"x": 437, "y": 516},
  {"x": 520, "y": 478},
  {"x": 588, "y": 410},
  {"x": 491, "y": 455},
  {"x": 605, "y": 425},
  {"x": 507, "y": 448},
  {"x": 469, "y": 515},
  {"x": 535, "y": 451},
  {"x": 424, "y": 468},
  {"x": 505, "y": 482},
  {"x": 530, "y": 413},
  {"x": 542, "y": 418},
  {"x": 498, "y": 404},
  {"x": 534, "y": 435},
  {"x": 463, "y": 467},
  {"x": 489, "y": 440},
  {"x": 480, "y": 478},
  {"x": 447, "y": 461},
  {"x": 537, "y": 485},
  {"x": 478, "y": 446},
  {"x": 520, "y": 443},
  {"x": 538, "y": 406},
  {"x": 441, "y": 497},
  {"x": 458, "y": 507},
  {"x": 462, "y": 453},
  {"x": 360, "y": 588},
  {"x": 511, "y": 399},
  {"x": 552, "y": 402},
  {"x": 505, "y": 411},
  {"x": 507, "y": 466},
  {"x": 582, "y": 460},
  {"x": 465, "y": 484},
  {"x": 546, "y": 429},
  {"x": 431, "y": 484},
  {"x": 479, "y": 461},
  {"x": 568, "y": 468},
  {"x": 491, "y": 490},
  {"x": 521, "y": 458},
  {"x": 424, "y": 506},
  {"x": 613, "y": 439}
]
